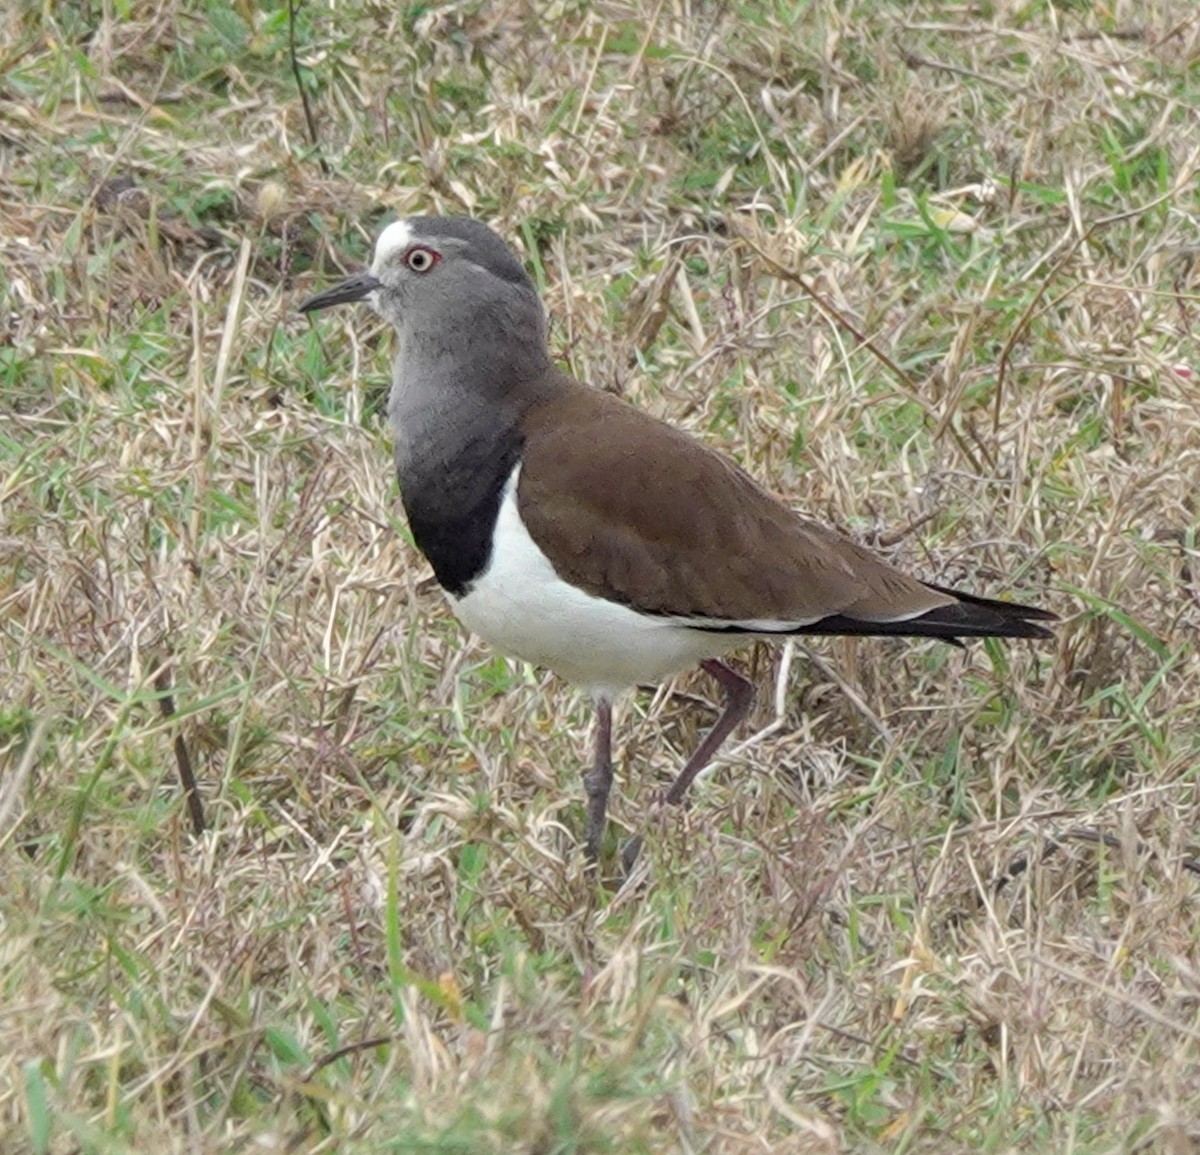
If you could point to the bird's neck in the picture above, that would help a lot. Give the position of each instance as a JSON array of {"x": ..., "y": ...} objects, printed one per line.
[{"x": 458, "y": 437}]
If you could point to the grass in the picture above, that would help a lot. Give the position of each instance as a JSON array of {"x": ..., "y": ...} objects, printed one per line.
[{"x": 928, "y": 271}]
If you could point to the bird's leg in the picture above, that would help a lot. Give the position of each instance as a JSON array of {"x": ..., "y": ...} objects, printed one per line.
[
  {"x": 597, "y": 782},
  {"x": 739, "y": 696}
]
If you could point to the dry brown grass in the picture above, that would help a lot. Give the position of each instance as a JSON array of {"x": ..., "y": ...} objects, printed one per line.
[{"x": 928, "y": 270}]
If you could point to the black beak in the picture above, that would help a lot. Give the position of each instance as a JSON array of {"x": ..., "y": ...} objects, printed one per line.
[{"x": 353, "y": 288}]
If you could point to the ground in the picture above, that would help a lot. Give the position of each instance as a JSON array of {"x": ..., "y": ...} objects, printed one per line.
[{"x": 927, "y": 270}]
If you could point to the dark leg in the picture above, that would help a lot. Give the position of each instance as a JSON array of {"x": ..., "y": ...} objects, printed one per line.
[
  {"x": 597, "y": 782},
  {"x": 739, "y": 696}
]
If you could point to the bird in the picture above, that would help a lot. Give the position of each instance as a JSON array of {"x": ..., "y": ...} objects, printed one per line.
[{"x": 575, "y": 531}]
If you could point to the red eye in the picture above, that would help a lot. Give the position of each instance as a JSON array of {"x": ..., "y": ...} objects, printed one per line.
[{"x": 420, "y": 259}]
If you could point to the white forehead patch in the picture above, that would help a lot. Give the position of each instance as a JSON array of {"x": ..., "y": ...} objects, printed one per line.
[{"x": 394, "y": 239}]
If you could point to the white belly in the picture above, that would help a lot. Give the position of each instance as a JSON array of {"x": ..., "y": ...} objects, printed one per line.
[{"x": 524, "y": 609}]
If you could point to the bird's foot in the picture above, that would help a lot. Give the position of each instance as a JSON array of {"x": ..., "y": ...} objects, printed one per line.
[
  {"x": 629, "y": 854},
  {"x": 657, "y": 813}
]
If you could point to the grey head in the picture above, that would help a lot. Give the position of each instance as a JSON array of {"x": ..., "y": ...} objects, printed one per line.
[
  {"x": 460, "y": 301},
  {"x": 471, "y": 361},
  {"x": 472, "y": 335}
]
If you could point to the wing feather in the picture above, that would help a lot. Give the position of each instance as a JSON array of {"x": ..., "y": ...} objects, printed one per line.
[{"x": 636, "y": 511}]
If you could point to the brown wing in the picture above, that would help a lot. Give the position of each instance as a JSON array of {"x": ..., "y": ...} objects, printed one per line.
[{"x": 633, "y": 510}]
